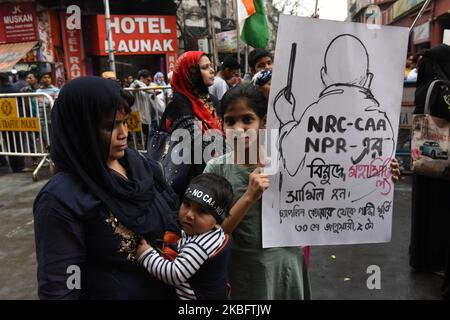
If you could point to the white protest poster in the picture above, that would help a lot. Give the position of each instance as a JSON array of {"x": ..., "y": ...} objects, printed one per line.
[{"x": 335, "y": 103}]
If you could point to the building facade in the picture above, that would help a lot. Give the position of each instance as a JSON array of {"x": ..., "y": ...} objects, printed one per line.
[
  {"x": 47, "y": 35},
  {"x": 428, "y": 30},
  {"x": 51, "y": 36}
]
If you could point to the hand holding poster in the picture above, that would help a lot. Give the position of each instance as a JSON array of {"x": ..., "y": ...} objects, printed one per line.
[{"x": 335, "y": 102}]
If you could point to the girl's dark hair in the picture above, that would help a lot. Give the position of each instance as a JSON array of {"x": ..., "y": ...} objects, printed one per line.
[
  {"x": 255, "y": 99},
  {"x": 196, "y": 80},
  {"x": 128, "y": 101},
  {"x": 219, "y": 186}
]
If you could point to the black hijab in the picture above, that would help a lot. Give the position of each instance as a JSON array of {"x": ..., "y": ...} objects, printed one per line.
[{"x": 85, "y": 107}]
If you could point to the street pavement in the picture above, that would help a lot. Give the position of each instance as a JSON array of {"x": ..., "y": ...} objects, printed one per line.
[
  {"x": 340, "y": 272},
  {"x": 336, "y": 272},
  {"x": 17, "y": 249}
]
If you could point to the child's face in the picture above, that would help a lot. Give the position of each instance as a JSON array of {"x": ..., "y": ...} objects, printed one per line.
[
  {"x": 194, "y": 218},
  {"x": 244, "y": 122},
  {"x": 263, "y": 64}
]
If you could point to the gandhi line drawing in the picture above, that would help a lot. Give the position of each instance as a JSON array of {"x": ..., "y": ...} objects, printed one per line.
[{"x": 354, "y": 139}]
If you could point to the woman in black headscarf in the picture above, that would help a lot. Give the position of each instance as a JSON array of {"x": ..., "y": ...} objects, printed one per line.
[
  {"x": 430, "y": 211},
  {"x": 90, "y": 216}
]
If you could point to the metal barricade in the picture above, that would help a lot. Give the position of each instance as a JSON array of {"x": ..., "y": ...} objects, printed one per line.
[
  {"x": 145, "y": 106},
  {"x": 25, "y": 126}
]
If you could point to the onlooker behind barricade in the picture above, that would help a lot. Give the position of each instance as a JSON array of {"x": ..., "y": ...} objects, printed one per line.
[
  {"x": 16, "y": 163},
  {"x": 158, "y": 80},
  {"x": 33, "y": 85},
  {"x": 159, "y": 97},
  {"x": 143, "y": 103},
  {"x": 144, "y": 78},
  {"x": 228, "y": 68},
  {"x": 21, "y": 82},
  {"x": 127, "y": 81},
  {"x": 47, "y": 87},
  {"x": 259, "y": 59},
  {"x": 32, "y": 81}
]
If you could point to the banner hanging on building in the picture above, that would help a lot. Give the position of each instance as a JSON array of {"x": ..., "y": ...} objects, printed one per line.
[
  {"x": 73, "y": 50},
  {"x": 45, "y": 35}
]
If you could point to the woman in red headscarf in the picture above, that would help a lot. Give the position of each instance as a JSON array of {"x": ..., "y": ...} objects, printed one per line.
[
  {"x": 191, "y": 78},
  {"x": 192, "y": 108}
]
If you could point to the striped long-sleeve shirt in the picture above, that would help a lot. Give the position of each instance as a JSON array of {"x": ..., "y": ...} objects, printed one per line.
[{"x": 193, "y": 251}]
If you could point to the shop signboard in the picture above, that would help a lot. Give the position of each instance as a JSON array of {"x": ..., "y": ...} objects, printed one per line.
[
  {"x": 137, "y": 35},
  {"x": 18, "y": 22},
  {"x": 401, "y": 6},
  {"x": 421, "y": 33}
]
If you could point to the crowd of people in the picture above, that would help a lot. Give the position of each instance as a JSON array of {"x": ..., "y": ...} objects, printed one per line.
[
  {"x": 138, "y": 230},
  {"x": 27, "y": 81}
]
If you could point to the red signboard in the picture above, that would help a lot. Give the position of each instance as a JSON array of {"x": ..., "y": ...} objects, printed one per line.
[
  {"x": 138, "y": 35},
  {"x": 73, "y": 50},
  {"x": 18, "y": 22}
]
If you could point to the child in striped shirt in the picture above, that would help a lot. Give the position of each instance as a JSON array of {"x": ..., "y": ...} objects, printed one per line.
[{"x": 199, "y": 272}]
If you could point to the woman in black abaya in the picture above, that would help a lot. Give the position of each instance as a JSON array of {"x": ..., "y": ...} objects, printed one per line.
[
  {"x": 91, "y": 214},
  {"x": 430, "y": 219}
]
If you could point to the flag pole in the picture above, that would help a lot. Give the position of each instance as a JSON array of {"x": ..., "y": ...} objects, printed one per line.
[
  {"x": 112, "y": 65},
  {"x": 208, "y": 21},
  {"x": 419, "y": 15},
  {"x": 214, "y": 46},
  {"x": 246, "y": 58},
  {"x": 238, "y": 36},
  {"x": 315, "y": 10}
]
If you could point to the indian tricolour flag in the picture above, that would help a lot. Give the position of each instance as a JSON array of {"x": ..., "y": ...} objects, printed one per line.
[
  {"x": 245, "y": 9},
  {"x": 253, "y": 23}
]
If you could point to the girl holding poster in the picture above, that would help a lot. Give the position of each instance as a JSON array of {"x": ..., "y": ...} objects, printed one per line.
[{"x": 254, "y": 272}]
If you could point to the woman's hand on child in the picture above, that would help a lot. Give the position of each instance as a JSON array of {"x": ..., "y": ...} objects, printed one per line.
[
  {"x": 258, "y": 182},
  {"x": 143, "y": 246},
  {"x": 395, "y": 170}
]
